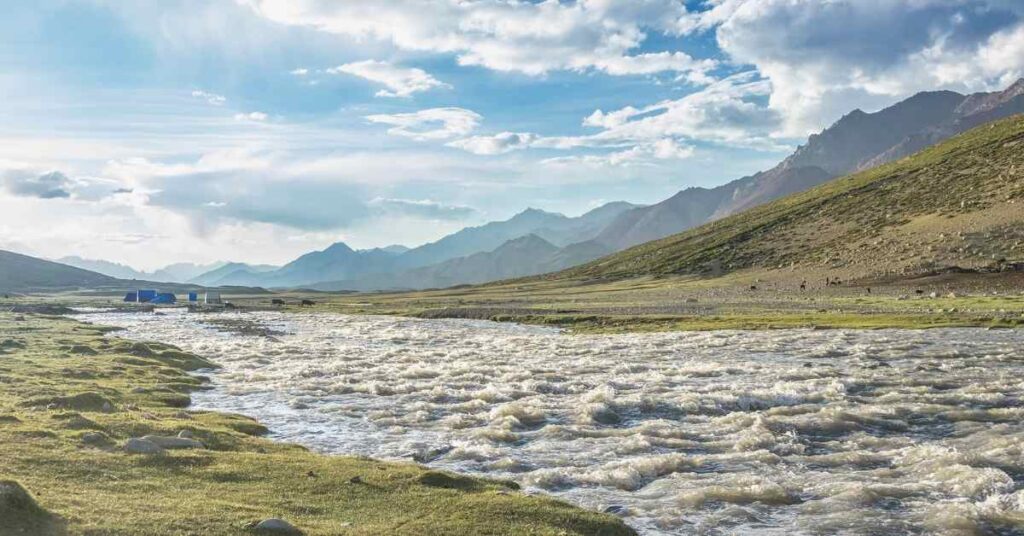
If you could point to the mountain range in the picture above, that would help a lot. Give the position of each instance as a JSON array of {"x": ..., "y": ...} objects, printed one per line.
[
  {"x": 534, "y": 241},
  {"x": 956, "y": 205},
  {"x": 471, "y": 255},
  {"x": 175, "y": 273},
  {"x": 856, "y": 142}
]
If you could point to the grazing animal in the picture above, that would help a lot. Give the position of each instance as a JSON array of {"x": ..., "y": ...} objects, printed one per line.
[
  {"x": 308, "y": 302},
  {"x": 803, "y": 285},
  {"x": 277, "y": 301},
  {"x": 753, "y": 287},
  {"x": 918, "y": 291}
]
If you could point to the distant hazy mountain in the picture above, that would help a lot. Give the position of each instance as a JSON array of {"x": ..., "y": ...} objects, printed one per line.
[
  {"x": 526, "y": 255},
  {"x": 21, "y": 273},
  {"x": 856, "y": 142},
  {"x": 483, "y": 238},
  {"x": 108, "y": 268},
  {"x": 339, "y": 262},
  {"x": 336, "y": 262},
  {"x": 174, "y": 273},
  {"x": 182, "y": 271},
  {"x": 232, "y": 273}
]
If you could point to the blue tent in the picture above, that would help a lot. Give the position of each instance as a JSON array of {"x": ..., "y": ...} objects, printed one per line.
[
  {"x": 164, "y": 297},
  {"x": 131, "y": 297},
  {"x": 146, "y": 296},
  {"x": 193, "y": 296}
]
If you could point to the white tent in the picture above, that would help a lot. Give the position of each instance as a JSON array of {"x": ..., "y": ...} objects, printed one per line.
[{"x": 212, "y": 298}]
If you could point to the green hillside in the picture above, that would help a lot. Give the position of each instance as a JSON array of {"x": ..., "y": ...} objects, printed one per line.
[
  {"x": 959, "y": 203},
  {"x": 21, "y": 273}
]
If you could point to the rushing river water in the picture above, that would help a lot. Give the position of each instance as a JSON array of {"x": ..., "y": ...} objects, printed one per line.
[{"x": 778, "y": 432}]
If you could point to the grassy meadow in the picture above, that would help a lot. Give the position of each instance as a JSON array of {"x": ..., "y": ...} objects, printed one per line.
[{"x": 70, "y": 398}]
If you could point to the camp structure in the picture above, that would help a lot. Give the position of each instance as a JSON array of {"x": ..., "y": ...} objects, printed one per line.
[
  {"x": 131, "y": 297},
  {"x": 145, "y": 296},
  {"x": 165, "y": 298},
  {"x": 193, "y": 296},
  {"x": 212, "y": 298}
]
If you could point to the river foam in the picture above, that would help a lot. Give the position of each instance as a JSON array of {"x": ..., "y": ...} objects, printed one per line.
[{"x": 777, "y": 432}]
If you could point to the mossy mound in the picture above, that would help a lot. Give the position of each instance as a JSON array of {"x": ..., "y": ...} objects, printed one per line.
[
  {"x": 89, "y": 401},
  {"x": 21, "y": 514}
]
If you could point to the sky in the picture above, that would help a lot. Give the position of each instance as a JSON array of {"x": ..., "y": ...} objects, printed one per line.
[{"x": 149, "y": 132}]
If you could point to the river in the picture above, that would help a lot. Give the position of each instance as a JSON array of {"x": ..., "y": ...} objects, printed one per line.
[{"x": 731, "y": 432}]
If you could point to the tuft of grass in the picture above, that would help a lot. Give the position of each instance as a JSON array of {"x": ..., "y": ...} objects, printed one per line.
[{"x": 64, "y": 418}]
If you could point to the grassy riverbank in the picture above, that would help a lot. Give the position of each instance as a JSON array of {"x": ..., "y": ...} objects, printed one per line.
[
  {"x": 692, "y": 303},
  {"x": 70, "y": 398}
]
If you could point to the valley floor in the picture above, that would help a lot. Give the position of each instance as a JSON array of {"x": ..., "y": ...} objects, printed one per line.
[
  {"x": 70, "y": 400},
  {"x": 749, "y": 300}
]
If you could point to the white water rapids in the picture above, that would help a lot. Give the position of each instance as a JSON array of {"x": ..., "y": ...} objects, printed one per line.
[{"x": 769, "y": 432}]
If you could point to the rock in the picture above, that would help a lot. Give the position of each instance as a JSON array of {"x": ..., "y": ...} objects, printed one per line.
[
  {"x": 171, "y": 442},
  {"x": 107, "y": 407},
  {"x": 356, "y": 480},
  {"x": 277, "y": 526},
  {"x": 142, "y": 446},
  {"x": 616, "y": 509},
  {"x": 94, "y": 438}
]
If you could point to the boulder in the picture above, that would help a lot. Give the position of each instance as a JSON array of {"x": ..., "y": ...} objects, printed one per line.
[
  {"x": 94, "y": 438},
  {"x": 172, "y": 442},
  {"x": 276, "y": 526},
  {"x": 142, "y": 446}
]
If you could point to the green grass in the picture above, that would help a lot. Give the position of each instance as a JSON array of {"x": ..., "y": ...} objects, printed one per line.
[{"x": 61, "y": 380}]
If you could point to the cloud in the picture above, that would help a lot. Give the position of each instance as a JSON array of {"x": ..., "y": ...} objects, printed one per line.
[
  {"x": 211, "y": 98},
  {"x": 400, "y": 81},
  {"x": 825, "y": 58},
  {"x": 729, "y": 112},
  {"x": 301, "y": 71},
  {"x": 726, "y": 112},
  {"x": 251, "y": 116},
  {"x": 422, "y": 208},
  {"x": 643, "y": 154},
  {"x": 317, "y": 194},
  {"x": 51, "y": 185},
  {"x": 528, "y": 37},
  {"x": 430, "y": 124},
  {"x": 496, "y": 144}
]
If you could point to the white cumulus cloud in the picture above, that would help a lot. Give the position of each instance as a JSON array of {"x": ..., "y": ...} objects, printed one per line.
[
  {"x": 399, "y": 81},
  {"x": 430, "y": 124},
  {"x": 825, "y": 58},
  {"x": 527, "y": 37},
  {"x": 497, "y": 144}
]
